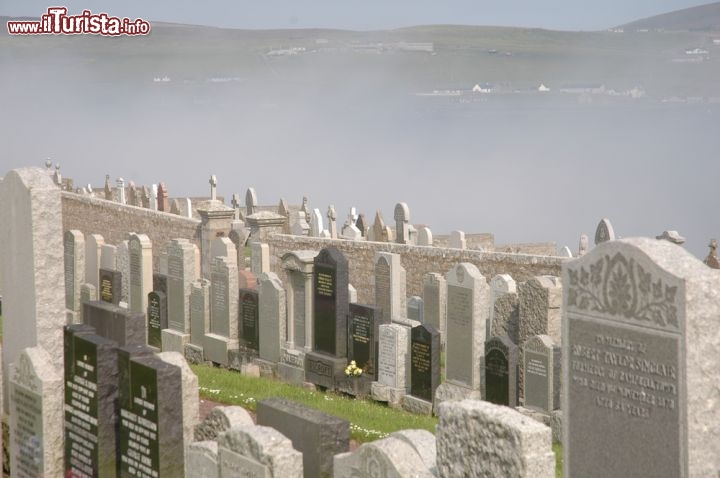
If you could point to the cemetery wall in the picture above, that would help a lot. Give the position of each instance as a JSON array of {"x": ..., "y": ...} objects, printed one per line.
[
  {"x": 417, "y": 260},
  {"x": 114, "y": 221}
]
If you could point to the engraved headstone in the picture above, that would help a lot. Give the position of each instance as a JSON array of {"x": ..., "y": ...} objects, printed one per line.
[
  {"x": 604, "y": 232},
  {"x": 638, "y": 362},
  {"x": 362, "y": 338},
  {"x": 504, "y": 308},
  {"x": 141, "y": 272},
  {"x": 223, "y": 333},
  {"x": 93, "y": 250},
  {"x": 248, "y": 319},
  {"x": 258, "y": 451},
  {"x": 251, "y": 202},
  {"x": 273, "y": 316},
  {"x": 110, "y": 286},
  {"x": 91, "y": 384},
  {"x": 393, "y": 364},
  {"x": 542, "y": 374},
  {"x": 501, "y": 364},
  {"x": 435, "y": 302},
  {"x": 157, "y": 318},
  {"x": 390, "y": 286},
  {"x": 181, "y": 273},
  {"x": 35, "y": 387},
  {"x": 150, "y": 435},
  {"x": 116, "y": 323},
  {"x": 415, "y": 309},
  {"x": 424, "y": 361},
  {"x": 331, "y": 306},
  {"x": 402, "y": 223}
]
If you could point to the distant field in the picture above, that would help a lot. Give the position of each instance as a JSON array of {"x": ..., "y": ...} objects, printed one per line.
[{"x": 463, "y": 56}]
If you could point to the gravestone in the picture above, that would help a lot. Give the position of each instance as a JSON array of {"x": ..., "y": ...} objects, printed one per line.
[
  {"x": 249, "y": 319},
  {"x": 604, "y": 232},
  {"x": 74, "y": 262},
  {"x": 402, "y": 223},
  {"x": 435, "y": 302},
  {"x": 108, "y": 257},
  {"x": 425, "y": 237},
  {"x": 407, "y": 453},
  {"x": 110, "y": 286},
  {"x": 116, "y": 323},
  {"x": 273, "y": 317},
  {"x": 251, "y": 202},
  {"x": 93, "y": 250},
  {"x": 91, "y": 387},
  {"x": 223, "y": 335},
  {"x": 123, "y": 266},
  {"x": 199, "y": 320},
  {"x": 362, "y": 338},
  {"x": 583, "y": 245},
  {"x": 260, "y": 451},
  {"x": 331, "y": 304},
  {"x": 220, "y": 419},
  {"x": 331, "y": 308},
  {"x": 201, "y": 460},
  {"x": 504, "y": 308},
  {"x": 32, "y": 280},
  {"x": 35, "y": 387},
  {"x": 639, "y": 365},
  {"x": 150, "y": 432},
  {"x": 501, "y": 371},
  {"x": 478, "y": 438},
  {"x": 260, "y": 255},
  {"x": 316, "y": 223},
  {"x": 378, "y": 228},
  {"x": 332, "y": 222},
  {"x": 425, "y": 352},
  {"x": 157, "y": 318},
  {"x": 415, "y": 309},
  {"x": 457, "y": 240},
  {"x": 542, "y": 374},
  {"x": 188, "y": 410},
  {"x": 316, "y": 435},
  {"x": 467, "y": 309},
  {"x": 393, "y": 364},
  {"x": 160, "y": 283},
  {"x": 163, "y": 202},
  {"x": 390, "y": 288},
  {"x": 141, "y": 271},
  {"x": 181, "y": 274},
  {"x": 540, "y": 311}
]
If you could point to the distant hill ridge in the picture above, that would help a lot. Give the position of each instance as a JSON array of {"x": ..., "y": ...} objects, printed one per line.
[{"x": 701, "y": 18}]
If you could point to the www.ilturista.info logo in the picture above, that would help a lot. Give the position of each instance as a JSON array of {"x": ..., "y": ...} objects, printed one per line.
[{"x": 58, "y": 22}]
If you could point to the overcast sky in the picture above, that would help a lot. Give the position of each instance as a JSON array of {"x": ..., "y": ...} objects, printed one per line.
[{"x": 369, "y": 14}]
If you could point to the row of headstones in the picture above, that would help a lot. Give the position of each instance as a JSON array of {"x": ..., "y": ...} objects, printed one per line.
[
  {"x": 474, "y": 438},
  {"x": 110, "y": 410}
]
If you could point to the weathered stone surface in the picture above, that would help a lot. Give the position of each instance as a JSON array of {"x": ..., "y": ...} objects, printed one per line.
[
  {"x": 316, "y": 435},
  {"x": 476, "y": 438},
  {"x": 396, "y": 456},
  {"x": 190, "y": 399},
  {"x": 140, "y": 277},
  {"x": 435, "y": 302},
  {"x": 258, "y": 449},
  {"x": 201, "y": 460},
  {"x": 639, "y": 363},
  {"x": 221, "y": 419},
  {"x": 116, "y": 323},
  {"x": 273, "y": 316},
  {"x": 32, "y": 278},
  {"x": 36, "y": 414},
  {"x": 390, "y": 286},
  {"x": 74, "y": 262}
]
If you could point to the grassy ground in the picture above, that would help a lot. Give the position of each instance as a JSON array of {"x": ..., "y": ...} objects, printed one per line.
[{"x": 369, "y": 420}]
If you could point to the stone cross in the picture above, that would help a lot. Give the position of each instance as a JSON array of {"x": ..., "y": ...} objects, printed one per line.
[
  {"x": 332, "y": 225},
  {"x": 213, "y": 188}
]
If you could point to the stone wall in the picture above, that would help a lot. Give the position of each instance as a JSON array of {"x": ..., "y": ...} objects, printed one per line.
[
  {"x": 417, "y": 260},
  {"x": 114, "y": 221}
]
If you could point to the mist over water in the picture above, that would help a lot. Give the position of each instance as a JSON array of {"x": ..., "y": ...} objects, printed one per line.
[{"x": 525, "y": 170}]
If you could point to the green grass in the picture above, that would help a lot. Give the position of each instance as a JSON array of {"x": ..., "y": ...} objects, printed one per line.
[
  {"x": 368, "y": 420},
  {"x": 557, "y": 448}
]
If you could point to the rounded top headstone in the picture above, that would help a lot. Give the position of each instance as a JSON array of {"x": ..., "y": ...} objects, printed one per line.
[
  {"x": 402, "y": 212},
  {"x": 604, "y": 231}
]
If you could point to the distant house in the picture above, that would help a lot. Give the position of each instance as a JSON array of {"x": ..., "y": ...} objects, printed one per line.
[
  {"x": 484, "y": 88},
  {"x": 542, "y": 88},
  {"x": 696, "y": 51},
  {"x": 592, "y": 89},
  {"x": 427, "y": 47}
]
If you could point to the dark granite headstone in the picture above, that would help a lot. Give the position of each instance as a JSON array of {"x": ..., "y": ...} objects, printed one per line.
[
  {"x": 150, "y": 439},
  {"x": 501, "y": 363},
  {"x": 157, "y": 318},
  {"x": 317, "y": 435},
  {"x": 110, "y": 286},
  {"x": 91, "y": 384},
  {"x": 249, "y": 317},
  {"x": 331, "y": 302},
  {"x": 424, "y": 361},
  {"x": 115, "y": 323},
  {"x": 362, "y": 338}
]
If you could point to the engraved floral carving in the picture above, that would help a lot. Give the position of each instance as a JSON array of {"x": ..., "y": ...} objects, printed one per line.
[
  {"x": 24, "y": 374},
  {"x": 621, "y": 287}
]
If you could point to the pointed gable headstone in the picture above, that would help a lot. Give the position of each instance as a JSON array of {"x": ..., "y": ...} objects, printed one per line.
[{"x": 604, "y": 232}]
